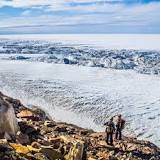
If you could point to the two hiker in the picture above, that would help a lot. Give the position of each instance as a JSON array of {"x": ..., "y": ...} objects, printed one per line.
[{"x": 111, "y": 128}]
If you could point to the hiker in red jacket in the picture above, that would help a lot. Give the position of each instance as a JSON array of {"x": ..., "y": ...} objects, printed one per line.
[{"x": 119, "y": 127}]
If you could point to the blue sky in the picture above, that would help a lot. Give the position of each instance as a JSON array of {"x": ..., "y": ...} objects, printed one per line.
[{"x": 79, "y": 16}]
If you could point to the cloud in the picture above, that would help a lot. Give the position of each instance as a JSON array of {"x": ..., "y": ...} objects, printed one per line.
[
  {"x": 75, "y": 15},
  {"x": 26, "y": 13}
]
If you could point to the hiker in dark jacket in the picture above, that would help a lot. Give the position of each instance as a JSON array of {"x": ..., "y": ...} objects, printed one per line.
[
  {"x": 119, "y": 127},
  {"x": 110, "y": 129}
]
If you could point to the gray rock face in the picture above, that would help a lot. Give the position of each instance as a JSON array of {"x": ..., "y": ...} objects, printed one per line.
[{"x": 8, "y": 122}]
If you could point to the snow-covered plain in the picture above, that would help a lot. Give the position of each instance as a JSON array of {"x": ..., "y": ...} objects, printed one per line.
[
  {"x": 109, "y": 41},
  {"x": 85, "y": 95}
]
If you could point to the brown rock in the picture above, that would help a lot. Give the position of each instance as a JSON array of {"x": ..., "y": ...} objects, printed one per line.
[
  {"x": 49, "y": 123},
  {"x": 19, "y": 148},
  {"x": 4, "y": 146},
  {"x": 28, "y": 129},
  {"x": 83, "y": 132},
  {"x": 76, "y": 152},
  {"x": 35, "y": 145},
  {"x": 39, "y": 113},
  {"x": 131, "y": 147},
  {"x": 103, "y": 155},
  {"x": 40, "y": 156},
  {"x": 25, "y": 114},
  {"x": 22, "y": 138},
  {"x": 60, "y": 128},
  {"x": 90, "y": 158},
  {"x": 32, "y": 149},
  {"x": 103, "y": 143},
  {"x": 51, "y": 153},
  {"x": 55, "y": 140},
  {"x": 45, "y": 130},
  {"x": 98, "y": 135}
]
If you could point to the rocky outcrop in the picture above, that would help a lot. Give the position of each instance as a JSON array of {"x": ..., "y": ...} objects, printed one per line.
[
  {"x": 8, "y": 121},
  {"x": 40, "y": 138}
]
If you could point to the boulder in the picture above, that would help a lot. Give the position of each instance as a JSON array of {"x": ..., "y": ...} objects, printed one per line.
[
  {"x": 103, "y": 155},
  {"x": 39, "y": 113},
  {"x": 51, "y": 153},
  {"x": 36, "y": 145},
  {"x": 40, "y": 156},
  {"x": 76, "y": 152},
  {"x": 49, "y": 123},
  {"x": 20, "y": 148},
  {"x": 25, "y": 114},
  {"x": 60, "y": 128},
  {"x": 22, "y": 138},
  {"x": 8, "y": 122}
]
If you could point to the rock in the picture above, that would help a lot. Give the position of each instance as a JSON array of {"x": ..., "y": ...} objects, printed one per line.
[
  {"x": 39, "y": 113},
  {"x": 28, "y": 129},
  {"x": 147, "y": 150},
  {"x": 103, "y": 155},
  {"x": 83, "y": 132},
  {"x": 131, "y": 147},
  {"x": 90, "y": 158},
  {"x": 103, "y": 143},
  {"x": 22, "y": 138},
  {"x": 98, "y": 135},
  {"x": 40, "y": 156},
  {"x": 60, "y": 128},
  {"x": 19, "y": 148},
  {"x": 35, "y": 145},
  {"x": 8, "y": 122},
  {"x": 76, "y": 152},
  {"x": 7, "y": 136},
  {"x": 25, "y": 114},
  {"x": 51, "y": 153},
  {"x": 4, "y": 146},
  {"x": 45, "y": 130},
  {"x": 49, "y": 124},
  {"x": 55, "y": 140},
  {"x": 32, "y": 149}
]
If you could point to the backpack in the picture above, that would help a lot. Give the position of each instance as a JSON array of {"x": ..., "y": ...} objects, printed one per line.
[
  {"x": 121, "y": 124},
  {"x": 109, "y": 128}
]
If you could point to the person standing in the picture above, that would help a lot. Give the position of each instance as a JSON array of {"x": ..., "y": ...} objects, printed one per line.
[
  {"x": 110, "y": 129},
  {"x": 119, "y": 127}
]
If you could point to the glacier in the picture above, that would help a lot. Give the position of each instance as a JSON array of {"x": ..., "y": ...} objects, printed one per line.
[
  {"x": 141, "y": 61},
  {"x": 83, "y": 84},
  {"x": 87, "y": 96}
]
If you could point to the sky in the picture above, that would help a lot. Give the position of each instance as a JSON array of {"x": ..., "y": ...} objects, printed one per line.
[{"x": 79, "y": 16}]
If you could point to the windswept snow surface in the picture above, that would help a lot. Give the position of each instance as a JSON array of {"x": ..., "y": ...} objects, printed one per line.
[{"x": 99, "y": 82}]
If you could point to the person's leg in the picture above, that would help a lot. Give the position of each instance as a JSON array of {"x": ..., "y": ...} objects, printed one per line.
[
  {"x": 111, "y": 138},
  {"x": 116, "y": 134},
  {"x": 107, "y": 138},
  {"x": 120, "y": 134}
]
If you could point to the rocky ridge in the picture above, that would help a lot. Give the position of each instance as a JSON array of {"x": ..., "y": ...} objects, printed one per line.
[{"x": 40, "y": 138}]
